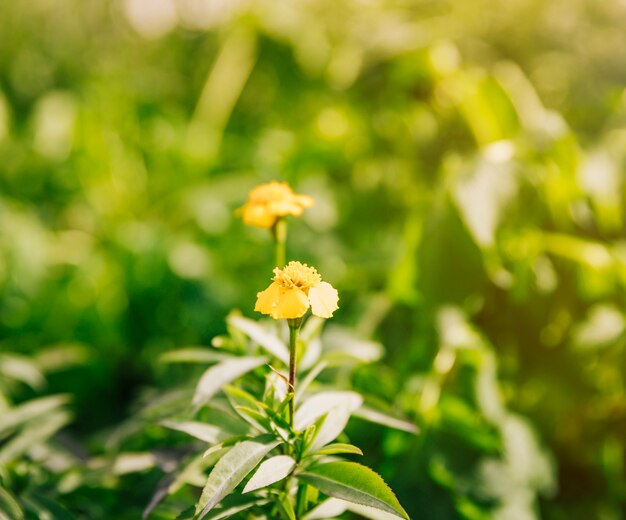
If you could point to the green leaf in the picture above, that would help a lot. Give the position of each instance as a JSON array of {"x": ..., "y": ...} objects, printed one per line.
[
  {"x": 310, "y": 377},
  {"x": 270, "y": 471},
  {"x": 256, "y": 419},
  {"x": 21, "y": 369},
  {"x": 322, "y": 403},
  {"x": 204, "y": 432},
  {"x": 378, "y": 417},
  {"x": 286, "y": 507},
  {"x": 231, "y": 469},
  {"x": 125, "y": 463},
  {"x": 329, "y": 508},
  {"x": 33, "y": 435},
  {"x": 221, "y": 374},
  {"x": 44, "y": 507},
  {"x": 355, "y": 483},
  {"x": 369, "y": 512},
  {"x": 330, "y": 427},
  {"x": 247, "y": 407},
  {"x": 231, "y": 509},
  {"x": 259, "y": 335},
  {"x": 193, "y": 355},
  {"x": 226, "y": 443},
  {"x": 9, "y": 506},
  {"x": 341, "y": 344},
  {"x": 334, "y": 449},
  {"x": 29, "y": 410}
]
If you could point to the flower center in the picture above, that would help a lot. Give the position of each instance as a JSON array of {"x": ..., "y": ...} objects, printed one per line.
[{"x": 297, "y": 275}]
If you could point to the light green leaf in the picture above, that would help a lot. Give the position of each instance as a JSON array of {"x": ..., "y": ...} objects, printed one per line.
[
  {"x": 126, "y": 463},
  {"x": 329, "y": 508},
  {"x": 204, "y": 432},
  {"x": 238, "y": 397},
  {"x": 342, "y": 343},
  {"x": 369, "y": 512},
  {"x": 231, "y": 469},
  {"x": 61, "y": 356},
  {"x": 22, "y": 369},
  {"x": 259, "y": 335},
  {"x": 33, "y": 435},
  {"x": 320, "y": 404},
  {"x": 270, "y": 471},
  {"x": 334, "y": 449},
  {"x": 29, "y": 410},
  {"x": 233, "y": 507},
  {"x": 221, "y": 374},
  {"x": 378, "y": 417},
  {"x": 310, "y": 377},
  {"x": 193, "y": 355},
  {"x": 311, "y": 341},
  {"x": 355, "y": 483},
  {"x": 287, "y": 507},
  {"x": 9, "y": 506},
  {"x": 333, "y": 423},
  {"x": 254, "y": 418}
]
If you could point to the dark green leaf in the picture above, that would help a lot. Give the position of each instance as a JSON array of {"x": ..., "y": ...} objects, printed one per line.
[{"x": 355, "y": 483}]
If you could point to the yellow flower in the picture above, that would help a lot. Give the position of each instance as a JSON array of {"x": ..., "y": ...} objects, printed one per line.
[
  {"x": 269, "y": 202},
  {"x": 296, "y": 287}
]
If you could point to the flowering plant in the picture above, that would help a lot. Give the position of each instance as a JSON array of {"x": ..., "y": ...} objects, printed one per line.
[{"x": 274, "y": 439}]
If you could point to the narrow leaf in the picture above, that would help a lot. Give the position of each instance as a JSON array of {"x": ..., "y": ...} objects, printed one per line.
[
  {"x": 22, "y": 369},
  {"x": 33, "y": 435},
  {"x": 270, "y": 471},
  {"x": 334, "y": 422},
  {"x": 221, "y": 374},
  {"x": 329, "y": 508},
  {"x": 29, "y": 410},
  {"x": 136, "y": 462},
  {"x": 310, "y": 377},
  {"x": 376, "y": 416},
  {"x": 286, "y": 507},
  {"x": 204, "y": 432},
  {"x": 355, "y": 483},
  {"x": 231, "y": 469},
  {"x": 319, "y": 404},
  {"x": 230, "y": 508},
  {"x": 259, "y": 335},
  {"x": 370, "y": 513},
  {"x": 334, "y": 449},
  {"x": 193, "y": 355},
  {"x": 9, "y": 504}
]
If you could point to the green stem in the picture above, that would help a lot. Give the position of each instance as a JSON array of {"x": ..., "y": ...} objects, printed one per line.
[
  {"x": 279, "y": 233},
  {"x": 294, "y": 328}
]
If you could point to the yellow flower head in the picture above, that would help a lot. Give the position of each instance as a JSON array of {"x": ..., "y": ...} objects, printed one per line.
[
  {"x": 269, "y": 202},
  {"x": 296, "y": 287}
]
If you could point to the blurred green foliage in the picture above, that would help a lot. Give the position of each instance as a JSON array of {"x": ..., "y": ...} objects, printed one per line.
[{"x": 467, "y": 159}]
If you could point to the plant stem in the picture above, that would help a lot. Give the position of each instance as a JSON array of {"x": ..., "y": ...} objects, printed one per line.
[
  {"x": 294, "y": 328},
  {"x": 279, "y": 233}
]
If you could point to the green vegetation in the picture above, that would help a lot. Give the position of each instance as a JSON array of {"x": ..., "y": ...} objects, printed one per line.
[{"x": 467, "y": 165}]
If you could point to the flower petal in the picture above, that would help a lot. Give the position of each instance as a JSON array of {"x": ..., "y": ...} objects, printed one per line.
[
  {"x": 258, "y": 215},
  {"x": 323, "y": 298},
  {"x": 267, "y": 300},
  {"x": 284, "y": 208},
  {"x": 304, "y": 200},
  {"x": 293, "y": 303}
]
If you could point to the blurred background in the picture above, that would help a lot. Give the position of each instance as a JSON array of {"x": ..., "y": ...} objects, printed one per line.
[{"x": 467, "y": 161}]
